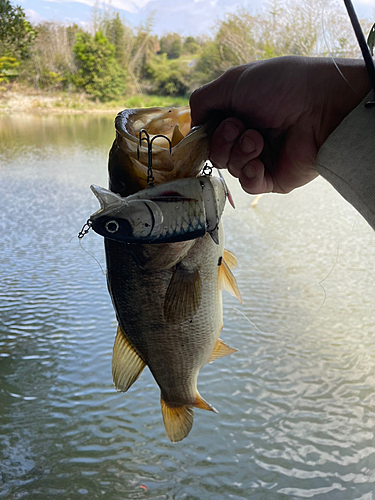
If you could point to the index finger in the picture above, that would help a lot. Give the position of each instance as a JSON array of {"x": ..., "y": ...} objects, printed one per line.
[{"x": 214, "y": 96}]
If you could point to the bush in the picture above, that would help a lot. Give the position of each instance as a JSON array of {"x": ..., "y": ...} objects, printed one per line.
[
  {"x": 168, "y": 77},
  {"x": 98, "y": 71}
]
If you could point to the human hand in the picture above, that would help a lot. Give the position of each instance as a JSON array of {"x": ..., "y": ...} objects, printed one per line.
[{"x": 278, "y": 114}]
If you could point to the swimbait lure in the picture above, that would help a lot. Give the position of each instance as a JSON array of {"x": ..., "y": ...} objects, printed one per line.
[{"x": 179, "y": 210}]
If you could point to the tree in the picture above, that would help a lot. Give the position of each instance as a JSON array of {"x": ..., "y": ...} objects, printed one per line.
[
  {"x": 51, "y": 62},
  {"x": 190, "y": 45},
  {"x": 98, "y": 71},
  {"x": 16, "y": 34},
  {"x": 171, "y": 45},
  {"x": 167, "y": 77}
]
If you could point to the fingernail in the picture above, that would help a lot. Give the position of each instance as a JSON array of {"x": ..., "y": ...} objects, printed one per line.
[
  {"x": 230, "y": 131},
  {"x": 249, "y": 172},
  {"x": 247, "y": 144}
]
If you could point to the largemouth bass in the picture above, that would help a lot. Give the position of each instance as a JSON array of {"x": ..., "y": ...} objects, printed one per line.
[{"x": 167, "y": 297}]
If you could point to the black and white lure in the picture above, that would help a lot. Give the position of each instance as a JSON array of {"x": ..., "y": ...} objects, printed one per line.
[{"x": 179, "y": 210}]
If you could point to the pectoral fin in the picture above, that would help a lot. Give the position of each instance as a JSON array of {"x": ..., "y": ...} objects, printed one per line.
[
  {"x": 177, "y": 421},
  {"x": 183, "y": 295},
  {"x": 228, "y": 281},
  {"x": 221, "y": 349},
  {"x": 126, "y": 364}
]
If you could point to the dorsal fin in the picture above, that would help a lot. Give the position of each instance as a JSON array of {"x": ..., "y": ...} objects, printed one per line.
[
  {"x": 228, "y": 281},
  {"x": 126, "y": 364},
  {"x": 230, "y": 259},
  {"x": 106, "y": 198}
]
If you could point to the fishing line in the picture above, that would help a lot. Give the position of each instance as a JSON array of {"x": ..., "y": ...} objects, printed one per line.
[
  {"x": 330, "y": 52},
  {"x": 320, "y": 283},
  {"x": 90, "y": 254}
]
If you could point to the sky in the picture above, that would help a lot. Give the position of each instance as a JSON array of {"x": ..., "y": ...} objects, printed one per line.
[{"x": 186, "y": 17}]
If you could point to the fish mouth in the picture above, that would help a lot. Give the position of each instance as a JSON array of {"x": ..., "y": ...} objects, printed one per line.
[{"x": 180, "y": 153}]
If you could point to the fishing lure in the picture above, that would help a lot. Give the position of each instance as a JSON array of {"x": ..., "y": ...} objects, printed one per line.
[{"x": 174, "y": 211}]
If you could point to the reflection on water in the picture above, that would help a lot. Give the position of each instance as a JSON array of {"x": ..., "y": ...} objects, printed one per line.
[{"x": 296, "y": 403}]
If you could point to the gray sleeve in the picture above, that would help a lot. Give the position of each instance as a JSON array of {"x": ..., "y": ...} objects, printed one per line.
[{"x": 347, "y": 160}]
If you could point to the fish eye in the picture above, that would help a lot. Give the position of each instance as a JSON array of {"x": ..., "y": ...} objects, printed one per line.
[{"x": 112, "y": 226}]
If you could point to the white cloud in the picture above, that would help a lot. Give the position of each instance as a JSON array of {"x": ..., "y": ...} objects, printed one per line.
[
  {"x": 127, "y": 5},
  {"x": 33, "y": 16}
]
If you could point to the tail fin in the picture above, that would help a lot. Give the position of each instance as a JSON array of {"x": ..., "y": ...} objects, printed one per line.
[{"x": 177, "y": 421}]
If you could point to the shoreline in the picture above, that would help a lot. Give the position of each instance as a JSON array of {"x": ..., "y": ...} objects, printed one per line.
[{"x": 18, "y": 100}]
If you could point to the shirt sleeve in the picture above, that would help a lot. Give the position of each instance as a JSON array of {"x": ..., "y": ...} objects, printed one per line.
[{"x": 347, "y": 160}]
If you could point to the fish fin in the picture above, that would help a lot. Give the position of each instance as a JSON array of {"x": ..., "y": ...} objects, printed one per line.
[
  {"x": 203, "y": 405},
  {"x": 176, "y": 136},
  {"x": 126, "y": 364},
  {"x": 221, "y": 349},
  {"x": 183, "y": 295},
  {"x": 230, "y": 259},
  {"x": 228, "y": 281},
  {"x": 177, "y": 421}
]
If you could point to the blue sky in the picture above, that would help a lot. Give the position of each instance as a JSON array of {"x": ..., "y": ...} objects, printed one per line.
[{"x": 187, "y": 17}]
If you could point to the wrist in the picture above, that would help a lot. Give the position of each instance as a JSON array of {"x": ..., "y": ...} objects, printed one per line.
[{"x": 348, "y": 85}]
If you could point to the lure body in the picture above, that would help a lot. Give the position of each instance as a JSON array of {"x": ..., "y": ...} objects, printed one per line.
[{"x": 179, "y": 210}]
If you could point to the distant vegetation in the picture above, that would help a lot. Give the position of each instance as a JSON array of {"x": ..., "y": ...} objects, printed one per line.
[{"x": 110, "y": 59}]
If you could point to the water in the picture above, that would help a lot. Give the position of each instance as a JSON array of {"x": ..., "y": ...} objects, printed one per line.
[{"x": 296, "y": 403}]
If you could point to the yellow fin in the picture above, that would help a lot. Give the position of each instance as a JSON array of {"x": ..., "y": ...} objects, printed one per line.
[
  {"x": 126, "y": 364},
  {"x": 203, "y": 405},
  {"x": 221, "y": 349},
  {"x": 228, "y": 281},
  {"x": 183, "y": 295},
  {"x": 177, "y": 421},
  {"x": 230, "y": 259},
  {"x": 177, "y": 136}
]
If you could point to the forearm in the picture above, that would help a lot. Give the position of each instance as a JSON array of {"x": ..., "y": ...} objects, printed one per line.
[{"x": 347, "y": 160}]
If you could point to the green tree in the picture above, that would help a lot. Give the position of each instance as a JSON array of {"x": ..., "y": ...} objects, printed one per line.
[
  {"x": 167, "y": 77},
  {"x": 16, "y": 33},
  {"x": 98, "y": 71},
  {"x": 171, "y": 44},
  {"x": 116, "y": 35},
  {"x": 190, "y": 45}
]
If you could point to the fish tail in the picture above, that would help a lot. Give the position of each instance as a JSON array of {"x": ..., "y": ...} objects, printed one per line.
[{"x": 177, "y": 421}]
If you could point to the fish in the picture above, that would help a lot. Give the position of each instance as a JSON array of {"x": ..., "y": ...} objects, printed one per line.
[
  {"x": 179, "y": 210},
  {"x": 168, "y": 296}
]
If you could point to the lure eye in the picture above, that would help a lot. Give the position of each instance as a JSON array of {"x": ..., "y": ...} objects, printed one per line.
[{"x": 112, "y": 226}]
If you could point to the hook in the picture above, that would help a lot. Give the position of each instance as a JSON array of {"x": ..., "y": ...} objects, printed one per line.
[{"x": 150, "y": 177}]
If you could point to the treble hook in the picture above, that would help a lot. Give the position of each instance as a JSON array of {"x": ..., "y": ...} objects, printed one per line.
[{"x": 150, "y": 177}]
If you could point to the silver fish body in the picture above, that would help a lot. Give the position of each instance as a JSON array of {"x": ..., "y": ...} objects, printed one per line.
[{"x": 175, "y": 211}]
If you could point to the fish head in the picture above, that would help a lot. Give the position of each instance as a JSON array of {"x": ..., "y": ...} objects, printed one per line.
[
  {"x": 182, "y": 155},
  {"x": 134, "y": 220}
]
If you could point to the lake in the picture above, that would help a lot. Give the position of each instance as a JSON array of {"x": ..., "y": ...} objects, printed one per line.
[{"x": 296, "y": 403}]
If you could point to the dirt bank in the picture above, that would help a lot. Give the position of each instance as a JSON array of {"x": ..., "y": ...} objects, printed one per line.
[{"x": 17, "y": 99}]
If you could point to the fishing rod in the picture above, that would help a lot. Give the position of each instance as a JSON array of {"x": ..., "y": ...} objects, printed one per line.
[{"x": 363, "y": 46}]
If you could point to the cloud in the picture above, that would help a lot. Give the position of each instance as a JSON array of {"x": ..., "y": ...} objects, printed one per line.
[
  {"x": 127, "y": 5},
  {"x": 33, "y": 16}
]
